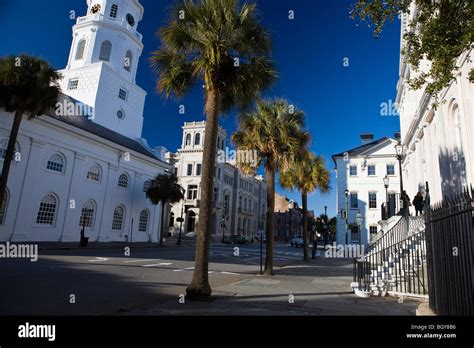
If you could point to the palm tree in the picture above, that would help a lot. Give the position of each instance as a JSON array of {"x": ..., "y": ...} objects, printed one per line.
[
  {"x": 165, "y": 189},
  {"x": 28, "y": 85},
  {"x": 221, "y": 43},
  {"x": 306, "y": 175},
  {"x": 275, "y": 130}
]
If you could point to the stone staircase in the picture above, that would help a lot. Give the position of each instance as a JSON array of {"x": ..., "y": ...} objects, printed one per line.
[{"x": 394, "y": 266}]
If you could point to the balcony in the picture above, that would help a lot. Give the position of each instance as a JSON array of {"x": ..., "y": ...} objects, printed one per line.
[{"x": 101, "y": 18}]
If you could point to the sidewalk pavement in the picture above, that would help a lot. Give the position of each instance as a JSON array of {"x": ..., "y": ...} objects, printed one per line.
[
  {"x": 318, "y": 287},
  {"x": 109, "y": 245}
]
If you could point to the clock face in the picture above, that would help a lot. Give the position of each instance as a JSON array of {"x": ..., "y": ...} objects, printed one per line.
[
  {"x": 130, "y": 20},
  {"x": 95, "y": 9}
]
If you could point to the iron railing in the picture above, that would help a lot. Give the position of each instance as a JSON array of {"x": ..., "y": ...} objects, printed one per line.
[
  {"x": 449, "y": 240},
  {"x": 396, "y": 262}
]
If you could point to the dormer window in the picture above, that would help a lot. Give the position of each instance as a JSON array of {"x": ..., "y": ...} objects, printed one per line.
[{"x": 113, "y": 11}]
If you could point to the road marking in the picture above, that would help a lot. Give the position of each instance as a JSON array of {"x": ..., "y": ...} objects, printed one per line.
[
  {"x": 231, "y": 273},
  {"x": 99, "y": 259},
  {"x": 158, "y": 264},
  {"x": 140, "y": 260},
  {"x": 210, "y": 272}
]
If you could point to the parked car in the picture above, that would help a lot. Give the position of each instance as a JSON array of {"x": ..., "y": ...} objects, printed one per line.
[
  {"x": 297, "y": 241},
  {"x": 236, "y": 239}
]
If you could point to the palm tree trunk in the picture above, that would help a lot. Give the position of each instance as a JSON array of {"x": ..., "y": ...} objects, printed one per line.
[
  {"x": 162, "y": 222},
  {"x": 199, "y": 287},
  {"x": 270, "y": 179},
  {"x": 9, "y": 154},
  {"x": 304, "y": 200}
]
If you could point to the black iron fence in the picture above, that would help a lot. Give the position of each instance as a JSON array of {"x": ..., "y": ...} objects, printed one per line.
[{"x": 449, "y": 242}]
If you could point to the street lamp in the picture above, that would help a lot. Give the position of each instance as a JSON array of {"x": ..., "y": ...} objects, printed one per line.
[
  {"x": 399, "y": 149},
  {"x": 346, "y": 193},
  {"x": 359, "y": 223},
  {"x": 386, "y": 182}
]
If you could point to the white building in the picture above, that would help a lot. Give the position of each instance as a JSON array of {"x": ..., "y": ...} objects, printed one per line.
[
  {"x": 92, "y": 168},
  {"x": 439, "y": 144},
  {"x": 239, "y": 199},
  {"x": 361, "y": 172}
]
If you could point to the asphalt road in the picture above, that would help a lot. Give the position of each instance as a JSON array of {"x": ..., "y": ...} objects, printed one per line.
[{"x": 106, "y": 281}]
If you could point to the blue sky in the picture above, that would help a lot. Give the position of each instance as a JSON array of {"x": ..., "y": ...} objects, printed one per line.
[{"x": 340, "y": 102}]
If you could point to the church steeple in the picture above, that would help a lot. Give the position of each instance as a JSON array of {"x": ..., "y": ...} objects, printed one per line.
[{"x": 103, "y": 61}]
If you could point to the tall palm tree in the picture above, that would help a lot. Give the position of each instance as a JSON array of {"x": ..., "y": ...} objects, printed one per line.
[
  {"x": 275, "y": 130},
  {"x": 306, "y": 175},
  {"x": 165, "y": 189},
  {"x": 221, "y": 43},
  {"x": 28, "y": 86}
]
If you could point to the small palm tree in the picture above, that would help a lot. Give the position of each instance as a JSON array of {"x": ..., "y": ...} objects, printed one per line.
[
  {"x": 306, "y": 175},
  {"x": 275, "y": 130},
  {"x": 28, "y": 86},
  {"x": 165, "y": 189},
  {"x": 220, "y": 43}
]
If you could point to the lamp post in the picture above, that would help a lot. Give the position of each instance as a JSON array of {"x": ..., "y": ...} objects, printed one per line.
[
  {"x": 386, "y": 182},
  {"x": 359, "y": 223},
  {"x": 346, "y": 193},
  {"x": 399, "y": 149},
  {"x": 326, "y": 212}
]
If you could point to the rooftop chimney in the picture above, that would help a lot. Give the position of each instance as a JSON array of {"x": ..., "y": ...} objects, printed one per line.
[{"x": 367, "y": 138}]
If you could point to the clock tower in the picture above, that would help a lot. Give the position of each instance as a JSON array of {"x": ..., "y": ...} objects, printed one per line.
[{"x": 102, "y": 65}]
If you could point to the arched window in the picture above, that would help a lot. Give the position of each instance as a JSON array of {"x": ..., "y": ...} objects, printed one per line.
[
  {"x": 113, "y": 11},
  {"x": 117, "y": 222},
  {"x": 105, "y": 51},
  {"x": 3, "y": 209},
  {"x": 197, "y": 139},
  {"x": 143, "y": 222},
  {"x": 56, "y": 163},
  {"x": 146, "y": 185},
  {"x": 87, "y": 215},
  {"x": 127, "y": 64},
  {"x": 188, "y": 139},
  {"x": 123, "y": 181},
  {"x": 171, "y": 219},
  {"x": 81, "y": 46},
  {"x": 93, "y": 174},
  {"x": 47, "y": 210}
]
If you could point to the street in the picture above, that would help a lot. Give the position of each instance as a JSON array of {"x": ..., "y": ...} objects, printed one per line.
[{"x": 152, "y": 281}]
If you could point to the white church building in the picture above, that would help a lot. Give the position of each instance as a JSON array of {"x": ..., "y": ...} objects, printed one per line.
[
  {"x": 73, "y": 168},
  {"x": 438, "y": 143}
]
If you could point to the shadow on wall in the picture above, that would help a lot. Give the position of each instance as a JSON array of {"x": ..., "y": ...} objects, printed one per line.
[{"x": 452, "y": 168}]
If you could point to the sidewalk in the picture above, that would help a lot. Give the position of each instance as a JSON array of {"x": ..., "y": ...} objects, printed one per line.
[
  {"x": 109, "y": 245},
  {"x": 319, "y": 287}
]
